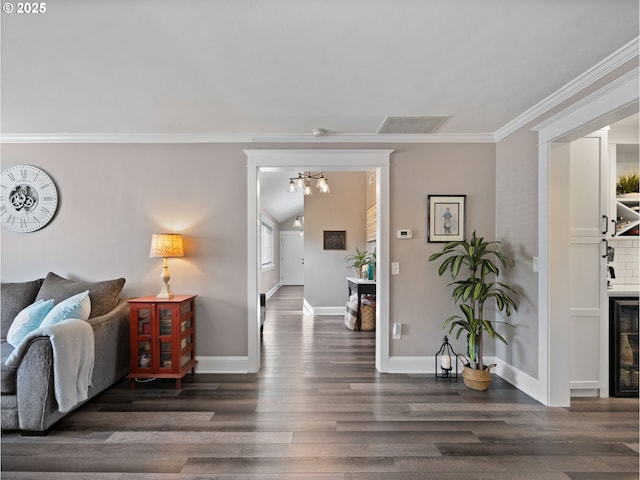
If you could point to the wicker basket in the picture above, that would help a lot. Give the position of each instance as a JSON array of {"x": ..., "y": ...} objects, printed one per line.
[
  {"x": 368, "y": 314},
  {"x": 476, "y": 379},
  {"x": 368, "y": 317}
]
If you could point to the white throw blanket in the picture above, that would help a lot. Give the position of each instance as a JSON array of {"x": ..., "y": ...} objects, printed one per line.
[{"x": 73, "y": 357}]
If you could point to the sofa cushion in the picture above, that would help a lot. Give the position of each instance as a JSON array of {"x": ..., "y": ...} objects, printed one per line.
[
  {"x": 77, "y": 306},
  {"x": 13, "y": 298},
  {"x": 28, "y": 320},
  {"x": 104, "y": 295},
  {"x": 7, "y": 374}
]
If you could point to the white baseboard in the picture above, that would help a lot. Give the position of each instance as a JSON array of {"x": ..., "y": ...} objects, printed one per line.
[
  {"x": 585, "y": 388},
  {"x": 270, "y": 293},
  {"x": 222, "y": 365},
  {"x": 522, "y": 381},
  {"x": 400, "y": 364},
  {"x": 309, "y": 310},
  {"x": 585, "y": 393},
  {"x": 424, "y": 364}
]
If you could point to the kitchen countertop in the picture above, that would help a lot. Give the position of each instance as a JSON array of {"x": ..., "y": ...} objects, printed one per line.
[{"x": 624, "y": 290}]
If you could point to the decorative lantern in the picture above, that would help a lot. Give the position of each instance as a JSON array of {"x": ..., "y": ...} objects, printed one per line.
[{"x": 446, "y": 361}]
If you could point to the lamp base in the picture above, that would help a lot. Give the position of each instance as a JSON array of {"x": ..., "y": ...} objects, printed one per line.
[{"x": 165, "y": 292}]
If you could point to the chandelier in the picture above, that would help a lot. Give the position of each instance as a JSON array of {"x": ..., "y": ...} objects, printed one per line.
[{"x": 303, "y": 182}]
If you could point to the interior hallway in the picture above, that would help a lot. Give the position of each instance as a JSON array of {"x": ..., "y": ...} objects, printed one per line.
[{"x": 318, "y": 410}]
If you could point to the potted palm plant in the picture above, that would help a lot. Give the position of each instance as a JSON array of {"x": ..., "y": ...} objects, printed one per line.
[
  {"x": 478, "y": 260},
  {"x": 357, "y": 261}
]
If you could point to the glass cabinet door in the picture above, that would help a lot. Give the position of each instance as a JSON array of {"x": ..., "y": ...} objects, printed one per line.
[
  {"x": 166, "y": 320},
  {"x": 624, "y": 349},
  {"x": 143, "y": 329},
  {"x": 166, "y": 356}
]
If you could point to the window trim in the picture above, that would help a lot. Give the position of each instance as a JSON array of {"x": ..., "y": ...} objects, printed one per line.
[{"x": 267, "y": 224}]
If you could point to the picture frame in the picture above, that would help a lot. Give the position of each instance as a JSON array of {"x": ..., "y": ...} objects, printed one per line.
[
  {"x": 335, "y": 240},
  {"x": 371, "y": 223},
  {"x": 446, "y": 218}
]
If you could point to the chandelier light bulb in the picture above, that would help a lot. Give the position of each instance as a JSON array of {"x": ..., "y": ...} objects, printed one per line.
[{"x": 303, "y": 182}]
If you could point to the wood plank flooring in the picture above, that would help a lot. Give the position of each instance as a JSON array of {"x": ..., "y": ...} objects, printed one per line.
[{"x": 318, "y": 410}]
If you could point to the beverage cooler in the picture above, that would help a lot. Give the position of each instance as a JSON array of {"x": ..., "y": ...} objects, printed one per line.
[{"x": 623, "y": 347}]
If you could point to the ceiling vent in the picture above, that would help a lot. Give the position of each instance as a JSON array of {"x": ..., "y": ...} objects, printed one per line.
[{"x": 412, "y": 124}]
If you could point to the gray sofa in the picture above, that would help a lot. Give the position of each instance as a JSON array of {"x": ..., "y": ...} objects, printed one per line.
[{"x": 28, "y": 401}]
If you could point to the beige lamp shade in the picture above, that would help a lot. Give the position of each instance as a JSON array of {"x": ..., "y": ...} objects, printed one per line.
[{"x": 166, "y": 245}]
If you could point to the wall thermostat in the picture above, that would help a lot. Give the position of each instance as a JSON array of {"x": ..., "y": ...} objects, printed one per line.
[{"x": 405, "y": 234}]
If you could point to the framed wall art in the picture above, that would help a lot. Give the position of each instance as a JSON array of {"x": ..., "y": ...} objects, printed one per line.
[
  {"x": 446, "y": 218},
  {"x": 371, "y": 223},
  {"x": 335, "y": 239}
]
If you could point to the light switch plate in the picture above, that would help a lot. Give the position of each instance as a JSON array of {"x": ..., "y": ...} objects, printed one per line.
[
  {"x": 395, "y": 268},
  {"x": 397, "y": 331}
]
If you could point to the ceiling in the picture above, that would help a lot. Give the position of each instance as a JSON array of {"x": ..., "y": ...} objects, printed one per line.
[
  {"x": 252, "y": 70},
  {"x": 280, "y": 68}
]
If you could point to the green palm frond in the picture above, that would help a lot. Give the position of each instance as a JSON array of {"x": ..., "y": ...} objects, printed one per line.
[{"x": 481, "y": 261}]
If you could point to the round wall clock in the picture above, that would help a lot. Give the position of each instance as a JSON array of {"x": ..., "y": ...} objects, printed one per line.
[{"x": 28, "y": 198}]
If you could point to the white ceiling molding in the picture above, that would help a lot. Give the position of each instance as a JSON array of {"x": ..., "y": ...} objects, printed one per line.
[
  {"x": 613, "y": 61},
  {"x": 246, "y": 138},
  {"x": 609, "y": 64},
  {"x": 622, "y": 92}
]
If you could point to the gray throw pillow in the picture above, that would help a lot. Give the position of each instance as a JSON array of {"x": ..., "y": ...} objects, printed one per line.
[
  {"x": 15, "y": 297},
  {"x": 104, "y": 295}
]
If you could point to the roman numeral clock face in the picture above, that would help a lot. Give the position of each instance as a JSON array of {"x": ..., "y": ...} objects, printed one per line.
[{"x": 28, "y": 198}]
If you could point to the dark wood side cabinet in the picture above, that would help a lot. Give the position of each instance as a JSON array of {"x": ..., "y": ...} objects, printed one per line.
[
  {"x": 162, "y": 338},
  {"x": 623, "y": 346}
]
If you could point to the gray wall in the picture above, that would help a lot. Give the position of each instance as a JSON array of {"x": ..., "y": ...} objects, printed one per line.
[
  {"x": 517, "y": 223},
  {"x": 421, "y": 300},
  {"x": 114, "y": 196},
  {"x": 325, "y": 271},
  {"x": 517, "y": 228}
]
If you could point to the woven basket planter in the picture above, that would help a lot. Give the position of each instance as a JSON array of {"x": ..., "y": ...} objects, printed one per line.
[
  {"x": 476, "y": 379},
  {"x": 368, "y": 317}
]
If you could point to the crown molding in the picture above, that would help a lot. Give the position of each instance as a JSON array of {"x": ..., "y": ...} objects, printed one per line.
[
  {"x": 606, "y": 66},
  {"x": 243, "y": 138}
]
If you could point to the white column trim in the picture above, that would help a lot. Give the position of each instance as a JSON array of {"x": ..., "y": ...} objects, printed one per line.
[{"x": 613, "y": 102}]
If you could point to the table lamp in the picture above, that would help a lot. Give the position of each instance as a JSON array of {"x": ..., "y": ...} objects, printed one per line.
[{"x": 166, "y": 245}]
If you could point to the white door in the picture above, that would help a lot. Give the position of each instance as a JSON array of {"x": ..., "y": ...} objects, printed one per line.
[
  {"x": 291, "y": 258},
  {"x": 588, "y": 299}
]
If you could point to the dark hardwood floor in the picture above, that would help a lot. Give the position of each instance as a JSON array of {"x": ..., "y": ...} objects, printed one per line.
[{"x": 318, "y": 410}]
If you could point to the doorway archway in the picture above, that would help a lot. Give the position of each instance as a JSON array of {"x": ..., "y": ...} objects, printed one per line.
[
  {"x": 596, "y": 111},
  {"x": 336, "y": 160}
]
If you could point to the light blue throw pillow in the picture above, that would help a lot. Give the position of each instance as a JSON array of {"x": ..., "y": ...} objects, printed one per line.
[
  {"x": 78, "y": 306},
  {"x": 28, "y": 320}
]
